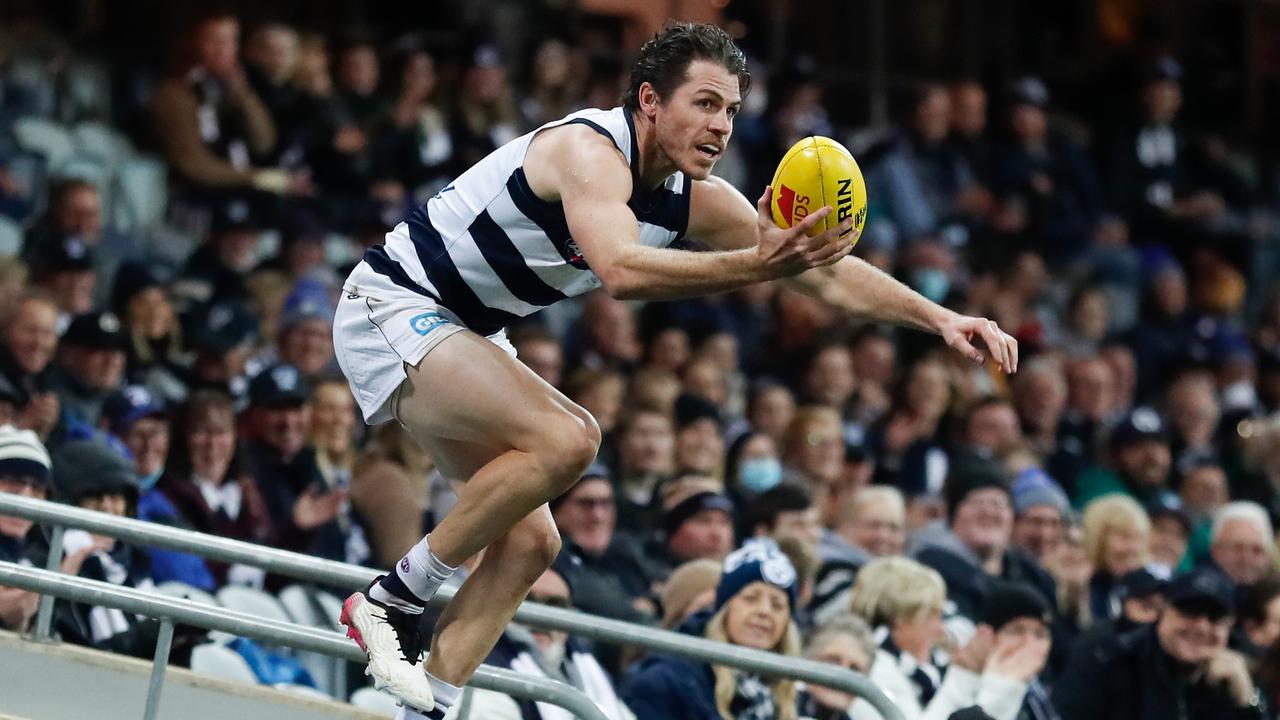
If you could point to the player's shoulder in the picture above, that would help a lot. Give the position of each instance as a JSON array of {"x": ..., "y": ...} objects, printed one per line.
[{"x": 574, "y": 157}]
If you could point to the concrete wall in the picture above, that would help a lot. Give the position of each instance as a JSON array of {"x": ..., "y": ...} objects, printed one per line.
[{"x": 65, "y": 682}]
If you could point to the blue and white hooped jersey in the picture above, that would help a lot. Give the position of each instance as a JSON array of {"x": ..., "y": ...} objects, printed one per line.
[{"x": 491, "y": 251}]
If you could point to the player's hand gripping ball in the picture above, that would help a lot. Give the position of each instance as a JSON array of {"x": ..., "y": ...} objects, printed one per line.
[{"x": 817, "y": 172}]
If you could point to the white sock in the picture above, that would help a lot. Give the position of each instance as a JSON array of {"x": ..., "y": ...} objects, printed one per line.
[
  {"x": 422, "y": 572},
  {"x": 446, "y": 695}
]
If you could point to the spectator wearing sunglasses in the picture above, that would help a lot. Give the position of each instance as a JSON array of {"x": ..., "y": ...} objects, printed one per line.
[
  {"x": 534, "y": 652},
  {"x": 1179, "y": 667}
]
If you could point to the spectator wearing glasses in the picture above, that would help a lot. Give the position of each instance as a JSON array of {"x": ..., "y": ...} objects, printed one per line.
[
  {"x": 550, "y": 654},
  {"x": 1179, "y": 667},
  {"x": 611, "y": 578}
]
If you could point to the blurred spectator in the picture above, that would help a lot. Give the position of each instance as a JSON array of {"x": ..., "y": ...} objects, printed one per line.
[
  {"x": 485, "y": 116},
  {"x": 753, "y": 466},
  {"x": 217, "y": 270},
  {"x": 30, "y": 341},
  {"x": 551, "y": 654},
  {"x": 829, "y": 379},
  {"x": 1241, "y": 544},
  {"x": 1140, "y": 461},
  {"x": 903, "y": 600},
  {"x": 333, "y": 430},
  {"x": 94, "y": 475},
  {"x": 1203, "y": 489},
  {"x": 785, "y": 511},
  {"x": 600, "y": 392},
  {"x": 1050, "y": 196},
  {"x": 1170, "y": 534},
  {"x": 991, "y": 427},
  {"x": 65, "y": 268},
  {"x": 813, "y": 447},
  {"x": 157, "y": 350},
  {"x": 929, "y": 190},
  {"x": 76, "y": 212},
  {"x": 699, "y": 440},
  {"x": 612, "y": 578},
  {"x": 753, "y": 607},
  {"x": 976, "y": 546},
  {"x": 969, "y": 127},
  {"x": 25, "y": 470},
  {"x": 207, "y": 483},
  {"x": 872, "y": 524},
  {"x": 1258, "y": 618},
  {"x": 91, "y": 365},
  {"x": 844, "y": 641},
  {"x": 541, "y": 351},
  {"x": 1137, "y": 600},
  {"x": 1192, "y": 402},
  {"x": 608, "y": 334},
  {"x": 305, "y": 336},
  {"x": 1178, "y": 667},
  {"x": 309, "y": 515},
  {"x": 1165, "y": 330},
  {"x": 395, "y": 489},
  {"x": 1040, "y": 397},
  {"x": 646, "y": 459},
  {"x": 906, "y": 444},
  {"x": 690, "y": 590},
  {"x": 770, "y": 409},
  {"x": 555, "y": 88},
  {"x": 222, "y": 337},
  {"x": 874, "y": 359},
  {"x": 1117, "y": 536},
  {"x": 1020, "y": 619},
  {"x": 210, "y": 123},
  {"x": 413, "y": 141},
  {"x": 697, "y": 522},
  {"x": 141, "y": 421},
  {"x": 1041, "y": 513},
  {"x": 271, "y": 57}
]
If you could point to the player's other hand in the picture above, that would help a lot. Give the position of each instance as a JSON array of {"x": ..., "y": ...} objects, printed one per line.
[
  {"x": 790, "y": 251},
  {"x": 973, "y": 335}
]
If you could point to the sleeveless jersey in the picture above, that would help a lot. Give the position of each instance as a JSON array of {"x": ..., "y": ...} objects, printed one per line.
[{"x": 491, "y": 251}]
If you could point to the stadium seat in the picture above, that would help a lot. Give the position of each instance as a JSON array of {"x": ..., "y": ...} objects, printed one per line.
[
  {"x": 10, "y": 237},
  {"x": 173, "y": 588},
  {"x": 297, "y": 601},
  {"x": 221, "y": 662},
  {"x": 332, "y": 607},
  {"x": 252, "y": 602},
  {"x": 101, "y": 142},
  {"x": 367, "y": 698},
  {"x": 143, "y": 193},
  {"x": 44, "y": 137}
]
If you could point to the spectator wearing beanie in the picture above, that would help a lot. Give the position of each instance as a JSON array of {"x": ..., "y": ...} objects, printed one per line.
[
  {"x": 1178, "y": 667},
  {"x": 26, "y": 470},
  {"x": 754, "y": 603},
  {"x": 94, "y": 475},
  {"x": 1020, "y": 619},
  {"x": 975, "y": 549},
  {"x": 551, "y": 654},
  {"x": 1041, "y": 513},
  {"x": 697, "y": 522},
  {"x": 613, "y": 578}
]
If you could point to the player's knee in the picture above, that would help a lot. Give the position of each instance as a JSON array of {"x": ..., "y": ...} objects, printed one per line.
[
  {"x": 538, "y": 546},
  {"x": 569, "y": 447}
]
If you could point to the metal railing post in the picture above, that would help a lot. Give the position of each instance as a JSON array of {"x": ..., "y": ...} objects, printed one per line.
[
  {"x": 335, "y": 574},
  {"x": 44, "y": 614},
  {"x": 327, "y": 642},
  {"x": 163, "y": 646}
]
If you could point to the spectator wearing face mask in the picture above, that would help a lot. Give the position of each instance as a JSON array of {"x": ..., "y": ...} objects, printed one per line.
[{"x": 1179, "y": 667}]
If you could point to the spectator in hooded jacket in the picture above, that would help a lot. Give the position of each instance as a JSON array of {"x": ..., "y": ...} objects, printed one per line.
[
  {"x": 753, "y": 607},
  {"x": 1179, "y": 667}
]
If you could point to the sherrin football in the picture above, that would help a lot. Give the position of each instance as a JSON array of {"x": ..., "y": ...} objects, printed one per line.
[{"x": 815, "y": 172}]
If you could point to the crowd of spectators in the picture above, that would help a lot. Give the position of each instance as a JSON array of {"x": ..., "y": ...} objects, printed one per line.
[{"x": 1090, "y": 538}]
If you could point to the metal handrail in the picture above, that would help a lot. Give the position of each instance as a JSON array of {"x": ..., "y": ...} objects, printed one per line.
[
  {"x": 334, "y": 644},
  {"x": 336, "y": 574}
]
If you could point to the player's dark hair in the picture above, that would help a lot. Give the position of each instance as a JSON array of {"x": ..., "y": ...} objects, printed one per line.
[{"x": 665, "y": 59}]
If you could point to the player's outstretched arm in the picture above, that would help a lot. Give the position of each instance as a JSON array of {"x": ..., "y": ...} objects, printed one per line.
[
  {"x": 725, "y": 221},
  {"x": 594, "y": 183}
]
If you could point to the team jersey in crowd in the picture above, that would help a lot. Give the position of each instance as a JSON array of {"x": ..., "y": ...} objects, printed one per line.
[{"x": 491, "y": 251}]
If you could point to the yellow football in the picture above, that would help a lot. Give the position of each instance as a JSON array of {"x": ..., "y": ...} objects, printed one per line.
[{"x": 817, "y": 172}]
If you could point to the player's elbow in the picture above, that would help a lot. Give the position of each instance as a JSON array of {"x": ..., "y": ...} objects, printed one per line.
[{"x": 619, "y": 282}]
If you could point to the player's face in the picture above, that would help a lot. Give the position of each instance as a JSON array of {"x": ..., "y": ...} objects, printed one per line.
[{"x": 695, "y": 123}]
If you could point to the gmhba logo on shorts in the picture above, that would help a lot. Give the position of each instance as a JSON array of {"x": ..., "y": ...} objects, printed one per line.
[{"x": 426, "y": 322}]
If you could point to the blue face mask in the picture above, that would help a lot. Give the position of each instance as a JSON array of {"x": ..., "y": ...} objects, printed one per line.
[
  {"x": 758, "y": 475},
  {"x": 931, "y": 283},
  {"x": 146, "y": 482}
]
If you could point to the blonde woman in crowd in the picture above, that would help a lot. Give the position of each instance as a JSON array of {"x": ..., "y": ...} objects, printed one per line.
[
  {"x": 903, "y": 600},
  {"x": 1117, "y": 534}
]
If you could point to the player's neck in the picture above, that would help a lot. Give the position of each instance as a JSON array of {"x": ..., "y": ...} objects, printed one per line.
[{"x": 655, "y": 166}]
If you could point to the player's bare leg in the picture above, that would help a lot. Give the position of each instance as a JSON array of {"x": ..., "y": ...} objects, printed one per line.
[{"x": 522, "y": 443}]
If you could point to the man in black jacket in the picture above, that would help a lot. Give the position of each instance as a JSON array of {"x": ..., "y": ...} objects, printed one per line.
[{"x": 1177, "y": 669}]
